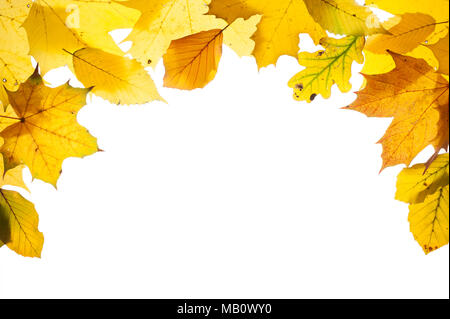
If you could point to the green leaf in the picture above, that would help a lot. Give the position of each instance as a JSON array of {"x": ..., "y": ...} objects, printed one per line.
[
  {"x": 344, "y": 17},
  {"x": 19, "y": 224},
  {"x": 325, "y": 68}
]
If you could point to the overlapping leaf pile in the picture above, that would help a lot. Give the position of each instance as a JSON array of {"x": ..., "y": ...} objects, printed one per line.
[{"x": 406, "y": 70}]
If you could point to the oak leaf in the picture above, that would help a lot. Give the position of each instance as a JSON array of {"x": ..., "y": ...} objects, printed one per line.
[
  {"x": 416, "y": 97},
  {"x": 42, "y": 130},
  {"x": 326, "y": 68}
]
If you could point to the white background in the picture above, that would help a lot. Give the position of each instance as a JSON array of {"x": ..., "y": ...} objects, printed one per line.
[{"x": 233, "y": 191}]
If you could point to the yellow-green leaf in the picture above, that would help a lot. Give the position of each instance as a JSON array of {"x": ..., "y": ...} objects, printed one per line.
[
  {"x": 414, "y": 184},
  {"x": 325, "y": 68},
  {"x": 429, "y": 220},
  {"x": 344, "y": 17},
  {"x": 19, "y": 224}
]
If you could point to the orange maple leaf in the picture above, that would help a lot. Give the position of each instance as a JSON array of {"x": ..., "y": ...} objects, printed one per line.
[{"x": 417, "y": 98}]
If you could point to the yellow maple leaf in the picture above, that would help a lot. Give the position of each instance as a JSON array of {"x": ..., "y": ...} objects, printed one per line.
[
  {"x": 164, "y": 21},
  {"x": 19, "y": 225},
  {"x": 56, "y": 27},
  {"x": 42, "y": 129},
  {"x": 278, "y": 32},
  {"x": 344, "y": 17},
  {"x": 191, "y": 62},
  {"x": 429, "y": 220},
  {"x": 415, "y": 95},
  {"x": 15, "y": 63},
  {"x": 419, "y": 181},
  {"x": 118, "y": 79},
  {"x": 440, "y": 50},
  {"x": 326, "y": 68}
]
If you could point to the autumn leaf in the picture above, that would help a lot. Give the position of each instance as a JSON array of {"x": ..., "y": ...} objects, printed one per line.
[
  {"x": 19, "y": 224},
  {"x": 279, "y": 29},
  {"x": 238, "y": 34},
  {"x": 13, "y": 177},
  {"x": 43, "y": 130},
  {"x": 325, "y": 68},
  {"x": 410, "y": 32},
  {"x": 56, "y": 27},
  {"x": 440, "y": 50},
  {"x": 118, "y": 79},
  {"x": 406, "y": 72},
  {"x": 164, "y": 21},
  {"x": 344, "y": 17},
  {"x": 191, "y": 62},
  {"x": 438, "y": 9},
  {"x": 429, "y": 220},
  {"x": 416, "y": 97},
  {"x": 5, "y": 230},
  {"x": 406, "y": 33},
  {"x": 417, "y": 182},
  {"x": 15, "y": 63},
  {"x": 18, "y": 218}
]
